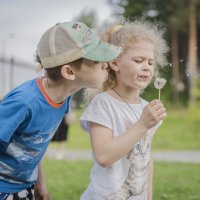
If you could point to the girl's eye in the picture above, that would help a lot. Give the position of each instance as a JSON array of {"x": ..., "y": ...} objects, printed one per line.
[
  {"x": 138, "y": 61},
  {"x": 150, "y": 64}
]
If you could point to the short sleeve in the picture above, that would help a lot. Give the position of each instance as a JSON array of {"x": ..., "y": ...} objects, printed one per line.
[
  {"x": 12, "y": 113},
  {"x": 97, "y": 112}
]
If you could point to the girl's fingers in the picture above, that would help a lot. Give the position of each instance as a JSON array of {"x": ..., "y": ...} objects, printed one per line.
[
  {"x": 157, "y": 106},
  {"x": 163, "y": 115},
  {"x": 160, "y": 114},
  {"x": 154, "y": 102}
]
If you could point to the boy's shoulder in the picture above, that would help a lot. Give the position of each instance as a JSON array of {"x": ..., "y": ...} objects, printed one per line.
[{"x": 24, "y": 93}]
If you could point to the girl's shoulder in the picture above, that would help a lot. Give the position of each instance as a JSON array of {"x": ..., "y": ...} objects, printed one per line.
[
  {"x": 106, "y": 98},
  {"x": 144, "y": 102},
  {"x": 101, "y": 97},
  {"x": 101, "y": 102}
]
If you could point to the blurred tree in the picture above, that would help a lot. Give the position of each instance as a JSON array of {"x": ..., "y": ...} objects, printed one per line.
[
  {"x": 175, "y": 14},
  {"x": 192, "y": 55},
  {"x": 88, "y": 17}
]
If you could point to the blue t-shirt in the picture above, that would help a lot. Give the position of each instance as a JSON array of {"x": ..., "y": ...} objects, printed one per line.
[{"x": 28, "y": 121}]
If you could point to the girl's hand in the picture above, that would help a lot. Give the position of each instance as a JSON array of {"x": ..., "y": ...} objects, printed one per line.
[{"x": 153, "y": 113}]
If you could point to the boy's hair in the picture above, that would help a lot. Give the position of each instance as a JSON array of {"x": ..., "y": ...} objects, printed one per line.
[
  {"x": 55, "y": 72},
  {"x": 127, "y": 32},
  {"x": 69, "y": 41}
]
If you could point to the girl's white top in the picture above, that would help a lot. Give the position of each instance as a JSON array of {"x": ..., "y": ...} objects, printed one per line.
[{"x": 126, "y": 179}]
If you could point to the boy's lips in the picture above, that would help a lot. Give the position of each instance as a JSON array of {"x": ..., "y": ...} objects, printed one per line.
[{"x": 106, "y": 76}]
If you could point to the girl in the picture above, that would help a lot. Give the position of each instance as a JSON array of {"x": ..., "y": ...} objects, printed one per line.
[{"x": 120, "y": 122}]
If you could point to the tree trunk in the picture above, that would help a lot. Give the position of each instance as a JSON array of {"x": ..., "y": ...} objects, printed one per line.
[
  {"x": 192, "y": 58},
  {"x": 175, "y": 67}
]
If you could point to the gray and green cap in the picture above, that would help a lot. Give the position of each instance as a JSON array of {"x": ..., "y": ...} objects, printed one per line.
[{"x": 68, "y": 41}]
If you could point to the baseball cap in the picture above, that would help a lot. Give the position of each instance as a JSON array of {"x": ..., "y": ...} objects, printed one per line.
[{"x": 68, "y": 41}]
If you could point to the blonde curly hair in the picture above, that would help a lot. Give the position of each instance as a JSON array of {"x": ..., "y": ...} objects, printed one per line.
[{"x": 124, "y": 34}]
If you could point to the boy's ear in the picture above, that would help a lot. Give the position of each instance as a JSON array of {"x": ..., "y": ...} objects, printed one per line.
[
  {"x": 68, "y": 72},
  {"x": 113, "y": 65}
]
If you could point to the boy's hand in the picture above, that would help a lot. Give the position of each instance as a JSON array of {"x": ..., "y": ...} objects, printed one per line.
[
  {"x": 41, "y": 192},
  {"x": 152, "y": 114}
]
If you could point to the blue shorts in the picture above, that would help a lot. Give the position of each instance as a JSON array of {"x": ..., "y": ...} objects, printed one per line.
[{"x": 27, "y": 194}]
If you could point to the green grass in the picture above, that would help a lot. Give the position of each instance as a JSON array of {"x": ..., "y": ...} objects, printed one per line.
[
  {"x": 180, "y": 130},
  {"x": 172, "y": 181},
  {"x": 66, "y": 180}
]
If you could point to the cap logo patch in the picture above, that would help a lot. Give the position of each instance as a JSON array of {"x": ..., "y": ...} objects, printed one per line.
[
  {"x": 87, "y": 37},
  {"x": 87, "y": 32},
  {"x": 77, "y": 27}
]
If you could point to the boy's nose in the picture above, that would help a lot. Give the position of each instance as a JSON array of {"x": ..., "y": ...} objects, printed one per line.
[{"x": 105, "y": 65}]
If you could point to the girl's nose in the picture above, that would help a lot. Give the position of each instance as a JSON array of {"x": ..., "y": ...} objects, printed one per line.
[{"x": 146, "y": 66}]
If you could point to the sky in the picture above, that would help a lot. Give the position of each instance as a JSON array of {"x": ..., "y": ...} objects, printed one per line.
[{"x": 23, "y": 22}]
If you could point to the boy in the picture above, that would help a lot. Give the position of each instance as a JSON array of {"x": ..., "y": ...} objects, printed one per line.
[{"x": 73, "y": 58}]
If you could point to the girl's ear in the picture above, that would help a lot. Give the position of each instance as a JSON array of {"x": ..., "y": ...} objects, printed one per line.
[
  {"x": 68, "y": 72},
  {"x": 114, "y": 66}
]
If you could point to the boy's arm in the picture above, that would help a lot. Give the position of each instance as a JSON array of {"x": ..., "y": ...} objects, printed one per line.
[
  {"x": 150, "y": 180},
  {"x": 41, "y": 191}
]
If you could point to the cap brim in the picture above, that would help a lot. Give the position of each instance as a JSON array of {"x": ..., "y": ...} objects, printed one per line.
[{"x": 104, "y": 52}]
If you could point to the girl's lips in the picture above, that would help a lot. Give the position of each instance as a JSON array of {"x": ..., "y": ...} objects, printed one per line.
[{"x": 143, "y": 78}]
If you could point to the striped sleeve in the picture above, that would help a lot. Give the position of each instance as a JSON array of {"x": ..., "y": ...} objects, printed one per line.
[{"x": 97, "y": 112}]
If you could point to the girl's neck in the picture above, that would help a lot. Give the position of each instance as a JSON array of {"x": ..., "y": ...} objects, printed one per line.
[{"x": 131, "y": 95}]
